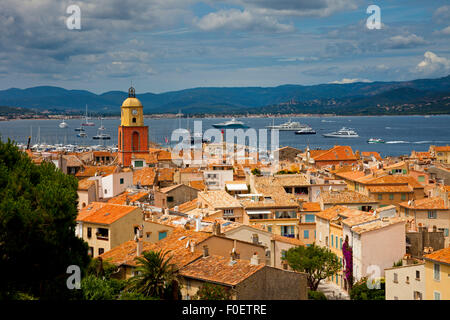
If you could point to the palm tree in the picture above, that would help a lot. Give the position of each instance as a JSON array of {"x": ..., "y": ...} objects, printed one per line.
[{"x": 154, "y": 273}]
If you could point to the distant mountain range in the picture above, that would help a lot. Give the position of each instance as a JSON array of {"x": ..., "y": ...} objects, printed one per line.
[{"x": 412, "y": 97}]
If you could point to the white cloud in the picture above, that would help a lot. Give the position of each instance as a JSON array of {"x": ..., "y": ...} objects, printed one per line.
[
  {"x": 408, "y": 41},
  {"x": 298, "y": 59},
  {"x": 234, "y": 19},
  {"x": 432, "y": 64},
  {"x": 445, "y": 31},
  {"x": 346, "y": 81},
  {"x": 442, "y": 14}
]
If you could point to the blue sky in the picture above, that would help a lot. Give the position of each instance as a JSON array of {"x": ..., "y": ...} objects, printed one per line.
[{"x": 165, "y": 45}]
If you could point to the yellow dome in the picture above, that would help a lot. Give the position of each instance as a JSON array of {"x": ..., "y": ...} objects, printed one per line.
[{"x": 132, "y": 102}]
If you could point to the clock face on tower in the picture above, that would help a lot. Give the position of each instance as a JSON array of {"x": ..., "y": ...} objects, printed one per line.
[{"x": 134, "y": 112}]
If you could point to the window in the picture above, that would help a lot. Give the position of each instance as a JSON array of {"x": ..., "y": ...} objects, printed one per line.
[
  {"x": 162, "y": 235},
  {"x": 445, "y": 232},
  {"x": 148, "y": 234},
  {"x": 437, "y": 272},
  {"x": 106, "y": 191},
  {"x": 138, "y": 163},
  {"x": 228, "y": 213},
  {"x": 310, "y": 218},
  {"x": 336, "y": 242},
  {"x": 391, "y": 196},
  {"x": 100, "y": 251},
  {"x": 340, "y": 243},
  {"x": 403, "y": 196},
  {"x": 432, "y": 214},
  {"x": 332, "y": 241},
  {"x": 407, "y": 280},
  {"x": 102, "y": 234},
  {"x": 417, "y": 275},
  {"x": 89, "y": 232},
  {"x": 395, "y": 278},
  {"x": 121, "y": 180},
  {"x": 283, "y": 254},
  {"x": 417, "y": 295},
  {"x": 269, "y": 228},
  {"x": 170, "y": 199},
  {"x": 326, "y": 241},
  {"x": 134, "y": 120},
  {"x": 380, "y": 196},
  {"x": 437, "y": 295},
  {"x": 91, "y": 251},
  {"x": 287, "y": 231},
  {"x": 285, "y": 214},
  {"x": 421, "y": 178},
  {"x": 306, "y": 234}
]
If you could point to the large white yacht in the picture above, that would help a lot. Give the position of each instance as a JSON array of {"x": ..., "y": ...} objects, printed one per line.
[
  {"x": 342, "y": 133},
  {"x": 233, "y": 123},
  {"x": 288, "y": 126}
]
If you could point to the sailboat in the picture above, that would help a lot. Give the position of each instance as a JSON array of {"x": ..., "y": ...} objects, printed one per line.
[
  {"x": 101, "y": 136},
  {"x": 87, "y": 123}
]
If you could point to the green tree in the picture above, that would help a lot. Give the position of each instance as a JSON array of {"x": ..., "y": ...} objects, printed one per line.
[
  {"x": 318, "y": 263},
  {"x": 316, "y": 295},
  {"x": 38, "y": 208},
  {"x": 95, "y": 288},
  {"x": 210, "y": 291},
  {"x": 155, "y": 274},
  {"x": 360, "y": 290}
]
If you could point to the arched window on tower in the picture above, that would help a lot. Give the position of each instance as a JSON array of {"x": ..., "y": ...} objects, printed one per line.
[
  {"x": 134, "y": 120},
  {"x": 135, "y": 141}
]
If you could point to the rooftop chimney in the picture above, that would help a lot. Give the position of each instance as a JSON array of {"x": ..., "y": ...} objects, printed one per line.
[
  {"x": 205, "y": 251},
  {"x": 255, "y": 259},
  {"x": 198, "y": 223},
  {"x": 139, "y": 246}
]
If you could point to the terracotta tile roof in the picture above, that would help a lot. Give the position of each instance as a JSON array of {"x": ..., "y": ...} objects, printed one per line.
[
  {"x": 393, "y": 179},
  {"x": 91, "y": 171},
  {"x": 164, "y": 155},
  {"x": 103, "y": 213},
  {"x": 73, "y": 161},
  {"x": 217, "y": 269},
  {"x": 145, "y": 176},
  {"x": 170, "y": 188},
  {"x": 331, "y": 213},
  {"x": 85, "y": 184},
  {"x": 442, "y": 149},
  {"x": 310, "y": 206},
  {"x": 337, "y": 153},
  {"x": 390, "y": 189},
  {"x": 197, "y": 184},
  {"x": 362, "y": 218},
  {"x": 345, "y": 196},
  {"x": 376, "y": 225},
  {"x": 293, "y": 241},
  {"x": 174, "y": 244},
  {"x": 132, "y": 197},
  {"x": 283, "y": 180},
  {"x": 372, "y": 153},
  {"x": 350, "y": 175},
  {"x": 442, "y": 256},
  {"x": 103, "y": 154},
  {"x": 165, "y": 174},
  {"x": 188, "y": 206},
  {"x": 435, "y": 203},
  {"x": 219, "y": 199}
]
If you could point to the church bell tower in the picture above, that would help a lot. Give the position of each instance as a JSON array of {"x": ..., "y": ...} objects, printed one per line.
[{"x": 133, "y": 135}]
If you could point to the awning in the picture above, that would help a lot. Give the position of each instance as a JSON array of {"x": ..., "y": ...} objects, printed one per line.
[
  {"x": 237, "y": 187},
  {"x": 258, "y": 211}
]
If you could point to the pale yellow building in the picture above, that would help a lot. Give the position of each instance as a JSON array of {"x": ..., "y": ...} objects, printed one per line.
[
  {"x": 437, "y": 275},
  {"x": 105, "y": 226}
]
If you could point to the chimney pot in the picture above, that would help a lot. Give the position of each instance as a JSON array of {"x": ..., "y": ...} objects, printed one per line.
[{"x": 205, "y": 251}]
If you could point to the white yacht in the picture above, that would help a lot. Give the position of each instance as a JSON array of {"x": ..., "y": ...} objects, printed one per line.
[
  {"x": 288, "y": 126},
  {"x": 233, "y": 123},
  {"x": 375, "y": 140},
  {"x": 63, "y": 124},
  {"x": 306, "y": 130},
  {"x": 342, "y": 133}
]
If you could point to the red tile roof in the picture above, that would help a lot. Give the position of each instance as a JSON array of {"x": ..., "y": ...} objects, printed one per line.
[{"x": 104, "y": 213}]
